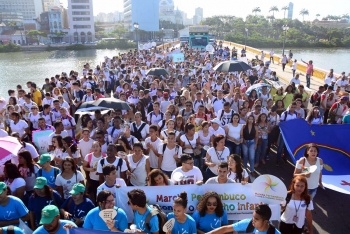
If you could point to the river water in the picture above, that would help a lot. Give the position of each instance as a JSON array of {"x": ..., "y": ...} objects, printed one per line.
[{"x": 18, "y": 68}]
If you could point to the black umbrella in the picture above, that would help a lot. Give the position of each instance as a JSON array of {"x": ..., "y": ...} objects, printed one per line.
[
  {"x": 232, "y": 66},
  {"x": 112, "y": 103},
  {"x": 157, "y": 72},
  {"x": 87, "y": 105}
]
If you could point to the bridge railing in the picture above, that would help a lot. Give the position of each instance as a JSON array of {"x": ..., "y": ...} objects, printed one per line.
[{"x": 168, "y": 44}]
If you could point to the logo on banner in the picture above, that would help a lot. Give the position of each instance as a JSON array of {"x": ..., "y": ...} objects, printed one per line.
[{"x": 269, "y": 189}]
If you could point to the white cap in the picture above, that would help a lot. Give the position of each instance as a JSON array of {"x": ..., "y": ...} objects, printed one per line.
[{"x": 216, "y": 120}]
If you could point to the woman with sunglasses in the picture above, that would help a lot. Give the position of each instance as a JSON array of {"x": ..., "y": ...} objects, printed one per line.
[{"x": 210, "y": 213}]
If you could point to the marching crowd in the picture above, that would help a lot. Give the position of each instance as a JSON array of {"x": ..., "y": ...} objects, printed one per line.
[{"x": 191, "y": 126}]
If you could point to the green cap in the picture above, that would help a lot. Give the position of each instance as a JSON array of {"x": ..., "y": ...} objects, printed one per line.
[
  {"x": 44, "y": 158},
  {"x": 3, "y": 187},
  {"x": 77, "y": 188},
  {"x": 48, "y": 214},
  {"x": 40, "y": 182}
]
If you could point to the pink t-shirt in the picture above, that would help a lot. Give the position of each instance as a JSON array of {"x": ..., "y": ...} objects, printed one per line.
[{"x": 309, "y": 69}]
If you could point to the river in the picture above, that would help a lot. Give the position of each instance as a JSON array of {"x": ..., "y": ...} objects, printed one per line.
[{"x": 18, "y": 68}]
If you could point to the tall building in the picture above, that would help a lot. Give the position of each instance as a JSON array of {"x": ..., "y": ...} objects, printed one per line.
[
  {"x": 50, "y": 3},
  {"x": 199, "y": 12},
  {"x": 30, "y": 9},
  {"x": 81, "y": 20},
  {"x": 290, "y": 10},
  {"x": 8, "y": 17},
  {"x": 145, "y": 13}
]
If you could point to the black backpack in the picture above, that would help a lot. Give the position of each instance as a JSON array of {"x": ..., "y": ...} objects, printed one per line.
[
  {"x": 93, "y": 85},
  {"x": 137, "y": 132},
  {"x": 250, "y": 228},
  {"x": 289, "y": 197},
  {"x": 315, "y": 99},
  {"x": 156, "y": 210},
  {"x": 119, "y": 165}
]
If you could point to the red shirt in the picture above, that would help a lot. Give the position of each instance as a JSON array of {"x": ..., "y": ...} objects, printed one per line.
[{"x": 99, "y": 96}]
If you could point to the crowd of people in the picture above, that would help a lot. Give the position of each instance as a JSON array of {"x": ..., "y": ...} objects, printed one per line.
[{"x": 195, "y": 121}]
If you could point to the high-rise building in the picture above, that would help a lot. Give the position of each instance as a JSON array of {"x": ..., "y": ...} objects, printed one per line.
[
  {"x": 30, "y": 9},
  {"x": 8, "y": 17},
  {"x": 199, "y": 12},
  {"x": 50, "y": 3},
  {"x": 145, "y": 13},
  {"x": 290, "y": 10},
  {"x": 81, "y": 20}
]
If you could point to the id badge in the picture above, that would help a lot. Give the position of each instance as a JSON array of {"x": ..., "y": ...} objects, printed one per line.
[{"x": 295, "y": 218}]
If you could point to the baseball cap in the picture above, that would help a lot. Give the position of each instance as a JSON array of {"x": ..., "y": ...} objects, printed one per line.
[
  {"x": 44, "y": 158},
  {"x": 216, "y": 120},
  {"x": 165, "y": 95},
  {"x": 3, "y": 187},
  {"x": 77, "y": 188},
  {"x": 344, "y": 98},
  {"x": 40, "y": 182},
  {"x": 48, "y": 214}
]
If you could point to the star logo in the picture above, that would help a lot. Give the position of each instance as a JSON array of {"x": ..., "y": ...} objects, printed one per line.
[
  {"x": 312, "y": 133},
  {"x": 269, "y": 184}
]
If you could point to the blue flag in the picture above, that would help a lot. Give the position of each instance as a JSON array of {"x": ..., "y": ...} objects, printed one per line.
[{"x": 333, "y": 142}]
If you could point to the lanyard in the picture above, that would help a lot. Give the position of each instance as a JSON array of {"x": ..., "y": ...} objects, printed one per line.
[
  {"x": 217, "y": 155},
  {"x": 296, "y": 210}
]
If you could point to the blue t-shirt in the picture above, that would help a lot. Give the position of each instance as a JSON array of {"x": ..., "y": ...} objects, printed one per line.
[
  {"x": 50, "y": 176},
  {"x": 14, "y": 209},
  {"x": 17, "y": 230},
  {"x": 94, "y": 221},
  {"x": 189, "y": 226},
  {"x": 242, "y": 225},
  {"x": 38, "y": 203},
  {"x": 41, "y": 229},
  {"x": 209, "y": 222},
  {"x": 78, "y": 211},
  {"x": 346, "y": 119},
  {"x": 139, "y": 221}
]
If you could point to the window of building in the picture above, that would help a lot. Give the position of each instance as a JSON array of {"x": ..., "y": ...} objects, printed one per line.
[
  {"x": 80, "y": 7},
  {"x": 80, "y": 1},
  {"x": 81, "y": 18}
]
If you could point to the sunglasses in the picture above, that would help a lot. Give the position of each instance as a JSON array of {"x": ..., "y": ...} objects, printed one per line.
[{"x": 212, "y": 204}]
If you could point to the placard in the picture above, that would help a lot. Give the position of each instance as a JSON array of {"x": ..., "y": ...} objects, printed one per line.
[
  {"x": 108, "y": 214},
  {"x": 269, "y": 189},
  {"x": 169, "y": 225}
]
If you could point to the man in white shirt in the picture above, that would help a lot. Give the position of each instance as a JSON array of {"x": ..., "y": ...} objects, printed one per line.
[
  {"x": 187, "y": 173},
  {"x": 134, "y": 98},
  {"x": 218, "y": 102},
  {"x": 295, "y": 80},
  {"x": 68, "y": 122},
  {"x": 3, "y": 133},
  {"x": 112, "y": 183},
  {"x": 26, "y": 146},
  {"x": 271, "y": 56},
  {"x": 199, "y": 101},
  {"x": 169, "y": 154},
  {"x": 225, "y": 115},
  {"x": 88, "y": 96},
  {"x": 59, "y": 131},
  {"x": 165, "y": 102},
  {"x": 85, "y": 144},
  {"x": 152, "y": 144},
  {"x": 156, "y": 115},
  {"x": 215, "y": 128},
  {"x": 222, "y": 175}
]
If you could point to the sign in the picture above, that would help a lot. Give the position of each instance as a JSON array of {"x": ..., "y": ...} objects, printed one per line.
[
  {"x": 168, "y": 226},
  {"x": 209, "y": 48},
  {"x": 41, "y": 140},
  {"x": 154, "y": 44},
  {"x": 178, "y": 58},
  {"x": 140, "y": 47},
  {"x": 108, "y": 214},
  {"x": 238, "y": 200},
  {"x": 269, "y": 189}
]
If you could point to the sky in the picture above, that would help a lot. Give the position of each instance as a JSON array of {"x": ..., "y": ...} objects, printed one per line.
[{"x": 240, "y": 8}]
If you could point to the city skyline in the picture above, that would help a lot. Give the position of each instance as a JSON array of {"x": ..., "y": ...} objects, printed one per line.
[{"x": 227, "y": 7}]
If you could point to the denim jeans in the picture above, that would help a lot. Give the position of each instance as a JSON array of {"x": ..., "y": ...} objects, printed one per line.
[
  {"x": 234, "y": 149},
  {"x": 308, "y": 79},
  {"x": 312, "y": 192},
  {"x": 168, "y": 173},
  {"x": 248, "y": 153},
  {"x": 281, "y": 149},
  {"x": 196, "y": 160},
  {"x": 260, "y": 152}
]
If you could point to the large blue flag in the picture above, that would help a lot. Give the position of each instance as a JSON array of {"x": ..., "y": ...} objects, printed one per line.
[{"x": 334, "y": 145}]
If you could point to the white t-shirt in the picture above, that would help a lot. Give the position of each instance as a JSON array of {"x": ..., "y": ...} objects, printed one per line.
[
  {"x": 220, "y": 130},
  {"x": 187, "y": 142},
  {"x": 85, "y": 146},
  {"x": 115, "y": 163},
  {"x": 217, "y": 157},
  {"x": 189, "y": 177},
  {"x": 204, "y": 140},
  {"x": 93, "y": 164},
  {"x": 34, "y": 119},
  {"x": 153, "y": 159},
  {"x": 16, "y": 183},
  {"x": 232, "y": 175},
  {"x": 68, "y": 184},
  {"x": 290, "y": 212},
  {"x": 164, "y": 105},
  {"x": 112, "y": 189},
  {"x": 218, "y": 104},
  {"x": 153, "y": 118},
  {"x": 168, "y": 162},
  {"x": 144, "y": 131},
  {"x": 3, "y": 133},
  {"x": 69, "y": 122},
  {"x": 64, "y": 133},
  {"x": 19, "y": 127},
  {"x": 29, "y": 147},
  {"x": 115, "y": 134},
  {"x": 165, "y": 134},
  {"x": 226, "y": 117}
]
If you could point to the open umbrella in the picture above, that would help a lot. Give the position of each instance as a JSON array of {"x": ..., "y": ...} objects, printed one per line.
[
  {"x": 86, "y": 105},
  {"x": 258, "y": 88},
  {"x": 112, "y": 103},
  {"x": 232, "y": 66},
  {"x": 156, "y": 72},
  {"x": 9, "y": 147}
]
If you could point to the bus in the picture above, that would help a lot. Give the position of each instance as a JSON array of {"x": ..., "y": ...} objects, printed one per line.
[
  {"x": 199, "y": 37},
  {"x": 184, "y": 40}
]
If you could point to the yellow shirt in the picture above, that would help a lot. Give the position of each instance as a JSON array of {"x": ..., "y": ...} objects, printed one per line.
[
  {"x": 288, "y": 98},
  {"x": 37, "y": 98}
]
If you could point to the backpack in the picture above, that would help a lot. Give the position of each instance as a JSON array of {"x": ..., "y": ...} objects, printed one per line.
[
  {"x": 222, "y": 114},
  {"x": 250, "y": 228},
  {"x": 315, "y": 99},
  {"x": 42, "y": 114},
  {"x": 183, "y": 112},
  {"x": 161, "y": 127},
  {"x": 137, "y": 132},
  {"x": 289, "y": 197},
  {"x": 216, "y": 99},
  {"x": 93, "y": 85},
  {"x": 85, "y": 97},
  {"x": 156, "y": 210},
  {"x": 90, "y": 157},
  {"x": 176, "y": 148},
  {"x": 152, "y": 113},
  {"x": 112, "y": 83},
  {"x": 195, "y": 102},
  {"x": 56, "y": 171},
  {"x": 120, "y": 163},
  {"x": 70, "y": 121}
]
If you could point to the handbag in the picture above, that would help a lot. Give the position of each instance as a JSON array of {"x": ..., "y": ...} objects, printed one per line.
[{"x": 196, "y": 151}]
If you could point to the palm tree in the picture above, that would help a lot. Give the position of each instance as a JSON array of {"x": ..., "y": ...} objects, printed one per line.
[
  {"x": 317, "y": 15},
  {"x": 285, "y": 8},
  {"x": 304, "y": 12},
  {"x": 273, "y": 9},
  {"x": 256, "y": 9},
  {"x": 345, "y": 16}
]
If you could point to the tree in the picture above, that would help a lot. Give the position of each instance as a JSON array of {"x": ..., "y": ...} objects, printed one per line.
[
  {"x": 285, "y": 8},
  {"x": 304, "y": 12},
  {"x": 317, "y": 15},
  {"x": 256, "y": 9},
  {"x": 36, "y": 33},
  {"x": 345, "y": 17},
  {"x": 273, "y": 9}
]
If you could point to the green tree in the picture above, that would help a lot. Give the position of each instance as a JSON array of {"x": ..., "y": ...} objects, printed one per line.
[
  {"x": 285, "y": 8},
  {"x": 304, "y": 12},
  {"x": 345, "y": 17},
  {"x": 36, "y": 33},
  {"x": 273, "y": 9},
  {"x": 256, "y": 10}
]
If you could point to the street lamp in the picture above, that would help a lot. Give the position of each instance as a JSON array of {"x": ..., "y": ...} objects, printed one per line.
[
  {"x": 246, "y": 35},
  {"x": 136, "y": 26},
  {"x": 163, "y": 38},
  {"x": 285, "y": 29}
]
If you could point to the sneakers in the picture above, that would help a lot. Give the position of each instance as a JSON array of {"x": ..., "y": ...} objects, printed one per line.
[{"x": 277, "y": 163}]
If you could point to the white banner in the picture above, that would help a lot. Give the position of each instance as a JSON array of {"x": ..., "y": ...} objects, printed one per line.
[{"x": 239, "y": 200}]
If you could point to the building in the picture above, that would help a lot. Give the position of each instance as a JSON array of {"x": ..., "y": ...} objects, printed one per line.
[
  {"x": 118, "y": 16},
  {"x": 50, "y": 3},
  {"x": 30, "y": 9},
  {"x": 199, "y": 12},
  {"x": 81, "y": 21},
  {"x": 290, "y": 10},
  {"x": 7, "y": 17},
  {"x": 145, "y": 13}
]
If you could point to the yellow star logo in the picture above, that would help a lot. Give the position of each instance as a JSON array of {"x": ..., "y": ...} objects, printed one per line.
[{"x": 312, "y": 133}]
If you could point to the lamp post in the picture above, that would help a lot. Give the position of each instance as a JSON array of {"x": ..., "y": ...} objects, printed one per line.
[
  {"x": 136, "y": 27},
  {"x": 173, "y": 34},
  {"x": 285, "y": 29},
  {"x": 246, "y": 35},
  {"x": 163, "y": 38}
]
